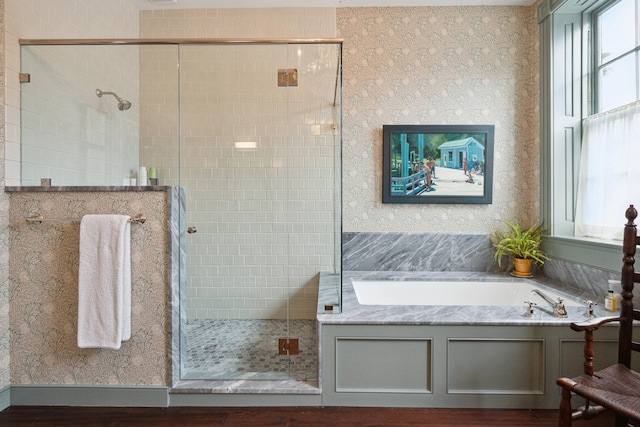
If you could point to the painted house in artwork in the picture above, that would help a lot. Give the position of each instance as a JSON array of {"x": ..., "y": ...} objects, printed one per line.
[{"x": 453, "y": 153}]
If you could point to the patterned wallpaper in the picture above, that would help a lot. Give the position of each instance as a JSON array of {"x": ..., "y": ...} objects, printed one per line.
[
  {"x": 439, "y": 65},
  {"x": 4, "y": 235},
  {"x": 43, "y": 268}
]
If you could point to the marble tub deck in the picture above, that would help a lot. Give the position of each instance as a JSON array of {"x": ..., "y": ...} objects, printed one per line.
[{"x": 356, "y": 314}]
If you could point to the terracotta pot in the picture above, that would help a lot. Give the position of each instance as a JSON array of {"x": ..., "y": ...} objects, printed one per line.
[{"x": 522, "y": 267}]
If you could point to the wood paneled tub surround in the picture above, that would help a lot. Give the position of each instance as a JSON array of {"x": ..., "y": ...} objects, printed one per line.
[{"x": 453, "y": 356}]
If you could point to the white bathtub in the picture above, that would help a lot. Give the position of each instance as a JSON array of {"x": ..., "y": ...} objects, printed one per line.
[{"x": 401, "y": 292}]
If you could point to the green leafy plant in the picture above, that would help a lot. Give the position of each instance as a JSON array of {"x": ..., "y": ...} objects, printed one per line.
[{"x": 517, "y": 242}]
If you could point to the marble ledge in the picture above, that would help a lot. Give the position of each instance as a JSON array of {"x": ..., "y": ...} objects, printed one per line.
[
  {"x": 353, "y": 313},
  {"x": 329, "y": 292},
  {"x": 241, "y": 386},
  {"x": 86, "y": 188}
]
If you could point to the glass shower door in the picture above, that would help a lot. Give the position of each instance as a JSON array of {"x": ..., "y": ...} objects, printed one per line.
[
  {"x": 258, "y": 166},
  {"x": 233, "y": 168}
]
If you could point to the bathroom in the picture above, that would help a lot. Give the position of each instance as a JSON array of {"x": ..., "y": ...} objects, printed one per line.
[{"x": 373, "y": 95}]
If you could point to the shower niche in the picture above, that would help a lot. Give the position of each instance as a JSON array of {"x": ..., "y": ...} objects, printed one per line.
[{"x": 257, "y": 163}]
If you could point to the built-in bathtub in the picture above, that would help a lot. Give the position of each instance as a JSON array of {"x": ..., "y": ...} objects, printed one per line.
[
  {"x": 447, "y": 292},
  {"x": 400, "y": 346}
]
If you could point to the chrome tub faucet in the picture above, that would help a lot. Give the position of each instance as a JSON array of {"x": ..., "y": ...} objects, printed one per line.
[{"x": 558, "y": 307}]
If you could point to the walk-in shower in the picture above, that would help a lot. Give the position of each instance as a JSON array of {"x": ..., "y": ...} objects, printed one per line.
[{"x": 257, "y": 160}]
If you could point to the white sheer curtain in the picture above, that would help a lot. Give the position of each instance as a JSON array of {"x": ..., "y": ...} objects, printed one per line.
[{"x": 609, "y": 179}]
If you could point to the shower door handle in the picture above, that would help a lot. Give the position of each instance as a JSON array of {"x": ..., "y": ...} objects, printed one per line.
[{"x": 192, "y": 229}]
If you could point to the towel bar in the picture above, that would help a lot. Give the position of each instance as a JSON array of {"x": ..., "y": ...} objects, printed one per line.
[{"x": 137, "y": 219}]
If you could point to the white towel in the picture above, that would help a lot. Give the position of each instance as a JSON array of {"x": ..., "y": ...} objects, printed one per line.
[{"x": 104, "y": 289}]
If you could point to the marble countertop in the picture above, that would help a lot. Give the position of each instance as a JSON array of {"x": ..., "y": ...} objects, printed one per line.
[{"x": 354, "y": 313}]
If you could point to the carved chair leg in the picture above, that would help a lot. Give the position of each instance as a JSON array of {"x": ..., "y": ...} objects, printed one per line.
[{"x": 564, "y": 419}]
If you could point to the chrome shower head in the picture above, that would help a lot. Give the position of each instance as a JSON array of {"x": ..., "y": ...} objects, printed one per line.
[{"x": 122, "y": 104}]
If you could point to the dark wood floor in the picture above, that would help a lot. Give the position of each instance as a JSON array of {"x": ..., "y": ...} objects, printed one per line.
[{"x": 282, "y": 416}]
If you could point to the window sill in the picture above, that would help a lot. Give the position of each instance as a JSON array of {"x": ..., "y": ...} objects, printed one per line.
[{"x": 601, "y": 254}]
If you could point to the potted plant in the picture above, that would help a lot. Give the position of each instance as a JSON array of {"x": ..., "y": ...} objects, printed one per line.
[{"x": 522, "y": 245}]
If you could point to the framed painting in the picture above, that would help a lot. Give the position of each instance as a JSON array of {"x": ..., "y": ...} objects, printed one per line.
[{"x": 437, "y": 164}]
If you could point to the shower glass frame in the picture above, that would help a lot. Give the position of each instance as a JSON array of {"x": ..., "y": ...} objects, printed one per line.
[{"x": 171, "y": 124}]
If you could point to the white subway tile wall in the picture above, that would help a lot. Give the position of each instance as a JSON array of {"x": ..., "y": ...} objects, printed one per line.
[
  {"x": 69, "y": 134},
  {"x": 56, "y": 19}
]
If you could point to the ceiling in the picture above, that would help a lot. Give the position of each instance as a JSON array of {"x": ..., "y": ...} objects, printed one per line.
[{"x": 205, "y": 4}]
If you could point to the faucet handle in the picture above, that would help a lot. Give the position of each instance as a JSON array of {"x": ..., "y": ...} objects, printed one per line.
[
  {"x": 561, "y": 311},
  {"x": 589, "y": 312},
  {"x": 529, "y": 312}
]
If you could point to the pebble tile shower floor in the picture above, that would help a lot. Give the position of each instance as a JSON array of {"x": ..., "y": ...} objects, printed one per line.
[{"x": 229, "y": 349}]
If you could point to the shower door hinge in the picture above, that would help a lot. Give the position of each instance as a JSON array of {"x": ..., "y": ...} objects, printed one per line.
[
  {"x": 25, "y": 77},
  {"x": 287, "y": 77},
  {"x": 288, "y": 346}
]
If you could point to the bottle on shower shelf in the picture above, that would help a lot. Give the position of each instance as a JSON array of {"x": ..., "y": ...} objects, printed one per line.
[
  {"x": 153, "y": 176},
  {"x": 142, "y": 176}
]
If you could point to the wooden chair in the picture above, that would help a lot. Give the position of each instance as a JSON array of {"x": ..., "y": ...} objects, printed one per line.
[{"x": 616, "y": 387}]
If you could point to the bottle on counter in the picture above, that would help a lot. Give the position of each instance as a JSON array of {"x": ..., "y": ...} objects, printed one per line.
[
  {"x": 610, "y": 301},
  {"x": 616, "y": 286}
]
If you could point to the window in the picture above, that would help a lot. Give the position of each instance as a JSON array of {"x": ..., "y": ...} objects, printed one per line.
[
  {"x": 616, "y": 54},
  {"x": 608, "y": 174},
  {"x": 589, "y": 60}
]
